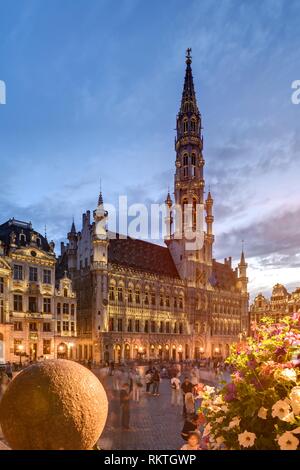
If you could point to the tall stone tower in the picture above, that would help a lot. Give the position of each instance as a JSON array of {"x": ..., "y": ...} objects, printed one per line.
[
  {"x": 99, "y": 273},
  {"x": 190, "y": 244}
]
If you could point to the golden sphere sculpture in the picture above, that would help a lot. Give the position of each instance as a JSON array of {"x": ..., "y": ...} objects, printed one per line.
[{"x": 54, "y": 405}]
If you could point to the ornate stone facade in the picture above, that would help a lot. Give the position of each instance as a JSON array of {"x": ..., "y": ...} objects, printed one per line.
[
  {"x": 280, "y": 304},
  {"x": 141, "y": 300},
  {"x": 37, "y": 317}
]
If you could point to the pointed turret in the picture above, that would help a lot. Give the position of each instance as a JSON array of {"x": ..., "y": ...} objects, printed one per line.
[
  {"x": 243, "y": 271},
  {"x": 100, "y": 199},
  {"x": 73, "y": 228}
]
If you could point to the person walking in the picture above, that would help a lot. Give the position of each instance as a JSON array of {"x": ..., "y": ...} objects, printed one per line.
[
  {"x": 148, "y": 380},
  {"x": 186, "y": 387},
  {"x": 136, "y": 386},
  {"x": 175, "y": 388},
  {"x": 125, "y": 406},
  {"x": 155, "y": 381}
]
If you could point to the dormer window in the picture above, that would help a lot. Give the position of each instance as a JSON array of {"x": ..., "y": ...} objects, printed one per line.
[
  {"x": 22, "y": 239},
  {"x": 38, "y": 241}
]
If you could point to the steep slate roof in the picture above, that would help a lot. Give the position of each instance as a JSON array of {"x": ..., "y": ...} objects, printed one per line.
[
  {"x": 225, "y": 277},
  {"x": 142, "y": 255},
  {"x": 19, "y": 227}
]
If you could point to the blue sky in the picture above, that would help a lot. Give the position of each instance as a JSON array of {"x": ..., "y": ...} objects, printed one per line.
[{"x": 93, "y": 88}]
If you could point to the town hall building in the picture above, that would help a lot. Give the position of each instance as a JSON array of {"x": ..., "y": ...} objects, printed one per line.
[{"x": 140, "y": 300}]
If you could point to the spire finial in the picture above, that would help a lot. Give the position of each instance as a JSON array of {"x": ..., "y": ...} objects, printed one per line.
[
  {"x": 45, "y": 231},
  {"x": 188, "y": 55},
  {"x": 100, "y": 199}
]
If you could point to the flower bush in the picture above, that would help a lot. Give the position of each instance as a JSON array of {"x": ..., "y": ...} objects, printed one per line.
[{"x": 260, "y": 407}]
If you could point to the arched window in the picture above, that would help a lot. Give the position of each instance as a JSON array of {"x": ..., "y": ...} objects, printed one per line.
[
  {"x": 65, "y": 292},
  {"x": 38, "y": 241},
  {"x": 193, "y": 125},
  {"x": 185, "y": 126},
  {"x": 185, "y": 159},
  {"x": 22, "y": 239}
]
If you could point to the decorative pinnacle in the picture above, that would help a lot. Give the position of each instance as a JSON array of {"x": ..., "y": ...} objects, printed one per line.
[{"x": 188, "y": 56}]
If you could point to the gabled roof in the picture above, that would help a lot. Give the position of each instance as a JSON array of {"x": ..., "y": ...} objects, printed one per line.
[{"x": 142, "y": 255}]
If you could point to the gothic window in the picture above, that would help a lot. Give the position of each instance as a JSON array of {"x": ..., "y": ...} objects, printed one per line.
[
  {"x": 137, "y": 297},
  {"x": 167, "y": 327},
  {"x": 58, "y": 308},
  {"x": 111, "y": 325},
  {"x": 146, "y": 329},
  {"x": 161, "y": 300},
  {"x": 180, "y": 328},
  {"x": 167, "y": 301},
  {"x": 120, "y": 294},
  {"x": 65, "y": 326},
  {"x": 175, "y": 327},
  {"x": 111, "y": 293},
  {"x": 180, "y": 302},
  {"x": 193, "y": 125},
  {"x": 185, "y": 160},
  {"x": 137, "y": 326},
  {"x": 58, "y": 327},
  {"x": 130, "y": 296},
  {"x": 153, "y": 298},
  {"x": 120, "y": 324},
  {"x": 72, "y": 309},
  {"x": 185, "y": 171},
  {"x": 130, "y": 325},
  {"x": 146, "y": 298},
  {"x": 152, "y": 326},
  {"x": 185, "y": 126},
  {"x": 161, "y": 327},
  {"x": 193, "y": 159},
  {"x": 175, "y": 302}
]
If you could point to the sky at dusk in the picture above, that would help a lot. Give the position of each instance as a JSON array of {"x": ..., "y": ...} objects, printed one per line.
[{"x": 93, "y": 89}]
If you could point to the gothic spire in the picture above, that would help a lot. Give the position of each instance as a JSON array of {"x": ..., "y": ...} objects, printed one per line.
[
  {"x": 73, "y": 228},
  {"x": 188, "y": 101}
]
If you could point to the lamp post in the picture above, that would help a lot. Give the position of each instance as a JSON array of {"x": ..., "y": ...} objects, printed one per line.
[{"x": 20, "y": 352}]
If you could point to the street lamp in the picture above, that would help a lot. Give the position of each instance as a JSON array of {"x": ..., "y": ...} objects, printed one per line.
[{"x": 20, "y": 352}]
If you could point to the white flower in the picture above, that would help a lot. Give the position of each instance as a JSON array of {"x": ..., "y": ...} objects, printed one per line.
[
  {"x": 235, "y": 422},
  {"x": 262, "y": 413},
  {"x": 207, "y": 430},
  {"x": 288, "y": 441},
  {"x": 220, "y": 420},
  {"x": 280, "y": 409},
  {"x": 218, "y": 400},
  {"x": 224, "y": 408},
  {"x": 209, "y": 390},
  {"x": 295, "y": 400},
  {"x": 289, "y": 374},
  {"x": 246, "y": 439}
]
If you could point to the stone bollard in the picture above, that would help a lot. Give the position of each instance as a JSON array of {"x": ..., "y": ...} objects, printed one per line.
[{"x": 54, "y": 405}]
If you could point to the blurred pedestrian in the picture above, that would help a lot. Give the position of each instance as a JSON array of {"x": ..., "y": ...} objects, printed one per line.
[{"x": 125, "y": 406}]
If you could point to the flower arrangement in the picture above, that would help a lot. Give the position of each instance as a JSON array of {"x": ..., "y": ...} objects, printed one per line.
[{"x": 260, "y": 407}]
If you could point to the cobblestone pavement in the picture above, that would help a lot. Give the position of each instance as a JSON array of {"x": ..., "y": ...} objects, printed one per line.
[{"x": 154, "y": 423}]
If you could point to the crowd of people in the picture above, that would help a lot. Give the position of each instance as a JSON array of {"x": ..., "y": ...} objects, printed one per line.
[{"x": 186, "y": 392}]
